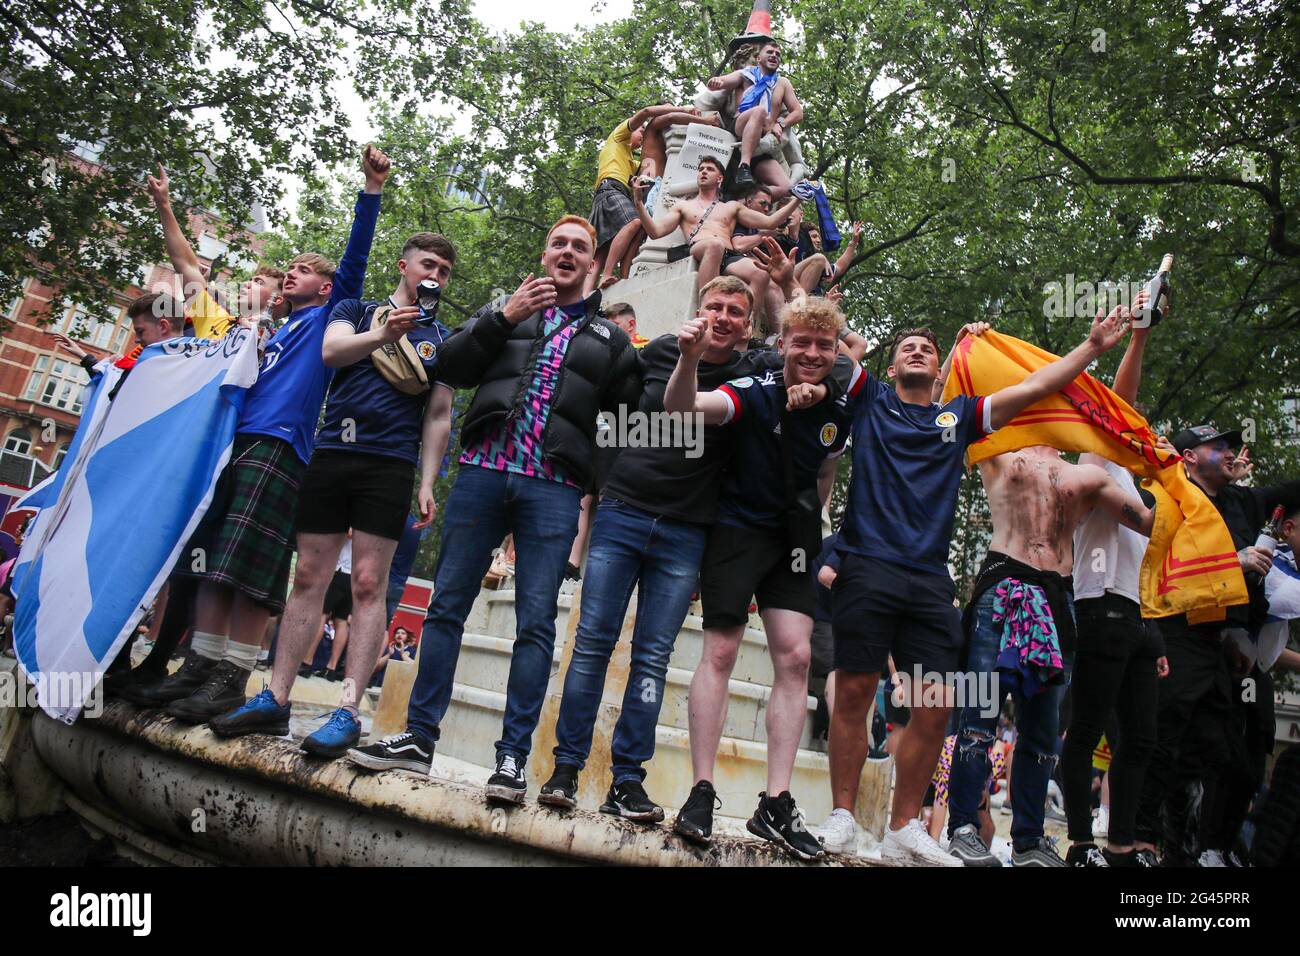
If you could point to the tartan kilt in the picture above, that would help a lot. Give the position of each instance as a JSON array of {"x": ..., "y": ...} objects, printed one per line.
[
  {"x": 247, "y": 534},
  {"x": 611, "y": 210}
]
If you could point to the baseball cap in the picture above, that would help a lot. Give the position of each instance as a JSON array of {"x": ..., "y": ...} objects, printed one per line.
[{"x": 1200, "y": 434}]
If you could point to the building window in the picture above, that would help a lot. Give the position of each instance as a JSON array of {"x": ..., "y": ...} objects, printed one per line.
[
  {"x": 59, "y": 455},
  {"x": 19, "y": 442},
  {"x": 98, "y": 330},
  {"x": 60, "y": 387},
  {"x": 38, "y": 376}
]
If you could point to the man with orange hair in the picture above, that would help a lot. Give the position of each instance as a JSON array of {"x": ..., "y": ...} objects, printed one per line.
[{"x": 545, "y": 362}]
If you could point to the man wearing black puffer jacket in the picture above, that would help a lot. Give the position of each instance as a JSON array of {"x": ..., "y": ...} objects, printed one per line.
[{"x": 545, "y": 364}]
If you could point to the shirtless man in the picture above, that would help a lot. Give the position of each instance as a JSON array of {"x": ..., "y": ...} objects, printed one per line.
[
  {"x": 1036, "y": 499},
  {"x": 707, "y": 220},
  {"x": 738, "y": 261},
  {"x": 760, "y": 95}
]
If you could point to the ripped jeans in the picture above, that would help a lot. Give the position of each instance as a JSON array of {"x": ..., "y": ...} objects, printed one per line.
[{"x": 1038, "y": 739}]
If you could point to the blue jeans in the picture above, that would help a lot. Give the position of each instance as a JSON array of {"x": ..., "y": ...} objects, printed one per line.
[
  {"x": 627, "y": 545},
  {"x": 392, "y": 599},
  {"x": 1038, "y": 739},
  {"x": 482, "y": 507}
]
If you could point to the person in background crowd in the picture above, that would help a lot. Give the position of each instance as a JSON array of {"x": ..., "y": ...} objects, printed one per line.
[{"x": 1198, "y": 695}]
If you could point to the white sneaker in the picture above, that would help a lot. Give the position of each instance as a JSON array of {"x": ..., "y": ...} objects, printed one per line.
[
  {"x": 1101, "y": 822},
  {"x": 1211, "y": 858},
  {"x": 912, "y": 846},
  {"x": 840, "y": 832}
]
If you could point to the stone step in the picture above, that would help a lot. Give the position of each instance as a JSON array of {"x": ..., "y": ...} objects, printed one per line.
[
  {"x": 485, "y": 664},
  {"x": 473, "y": 725},
  {"x": 494, "y": 615}
]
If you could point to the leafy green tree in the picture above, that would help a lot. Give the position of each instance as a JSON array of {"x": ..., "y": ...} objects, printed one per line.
[{"x": 231, "y": 96}]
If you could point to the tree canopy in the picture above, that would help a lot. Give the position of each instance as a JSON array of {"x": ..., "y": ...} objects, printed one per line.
[{"x": 1007, "y": 158}]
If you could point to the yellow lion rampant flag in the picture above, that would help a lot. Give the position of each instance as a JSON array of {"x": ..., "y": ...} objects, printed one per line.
[{"x": 1190, "y": 566}]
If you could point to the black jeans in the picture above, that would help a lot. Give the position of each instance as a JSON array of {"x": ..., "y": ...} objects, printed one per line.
[
  {"x": 1198, "y": 685},
  {"x": 1114, "y": 670}
]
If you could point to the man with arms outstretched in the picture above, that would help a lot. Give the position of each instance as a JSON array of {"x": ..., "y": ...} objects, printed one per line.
[{"x": 893, "y": 593}]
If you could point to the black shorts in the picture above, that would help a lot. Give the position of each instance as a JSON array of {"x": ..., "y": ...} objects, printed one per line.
[
  {"x": 730, "y": 256},
  {"x": 741, "y": 563},
  {"x": 881, "y": 608},
  {"x": 347, "y": 489},
  {"x": 338, "y": 596}
]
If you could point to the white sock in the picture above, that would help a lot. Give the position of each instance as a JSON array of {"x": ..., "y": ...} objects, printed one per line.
[
  {"x": 243, "y": 655},
  {"x": 211, "y": 646}
]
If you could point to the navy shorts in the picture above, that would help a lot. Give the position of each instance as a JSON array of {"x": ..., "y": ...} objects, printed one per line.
[{"x": 882, "y": 608}]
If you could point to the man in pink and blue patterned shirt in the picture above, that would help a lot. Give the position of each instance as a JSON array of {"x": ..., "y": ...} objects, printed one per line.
[{"x": 545, "y": 363}]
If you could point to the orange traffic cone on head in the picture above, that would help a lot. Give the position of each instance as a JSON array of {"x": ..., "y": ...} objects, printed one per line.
[{"x": 759, "y": 28}]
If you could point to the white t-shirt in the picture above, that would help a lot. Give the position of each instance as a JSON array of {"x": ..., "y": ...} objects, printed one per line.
[
  {"x": 345, "y": 558},
  {"x": 1107, "y": 555}
]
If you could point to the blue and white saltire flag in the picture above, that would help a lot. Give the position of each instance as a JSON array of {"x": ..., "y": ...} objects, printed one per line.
[{"x": 113, "y": 520}]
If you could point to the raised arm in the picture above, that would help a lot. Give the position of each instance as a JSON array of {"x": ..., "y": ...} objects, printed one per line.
[
  {"x": 1009, "y": 402},
  {"x": 179, "y": 250},
  {"x": 656, "y": 228},
  {"x": 350, "y": 277},
  {"x": 654, "y": 112},
  {"x": 1129, "y": 375},
  {"x": 756, "y": 220},
  {"x": 970, "y": 328},
  {"x": 846, "y": 257},
  {"x": 682, "y": 394}
]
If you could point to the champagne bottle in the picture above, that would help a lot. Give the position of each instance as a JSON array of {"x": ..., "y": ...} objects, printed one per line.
[
  {"x": 1157, "y": 295},
  {"x": 1272, "y": 532}
]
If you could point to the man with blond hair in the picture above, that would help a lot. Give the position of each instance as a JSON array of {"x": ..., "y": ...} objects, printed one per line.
[
  {"x": 545, "y": 362},
  {"x": 786, "y": 434},
  {"x": 241, "y": 550}
]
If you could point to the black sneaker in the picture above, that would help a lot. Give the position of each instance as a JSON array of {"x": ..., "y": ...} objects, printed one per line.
[
  {"x": 695, "y": 818},
  {"x": 405, "y": 751},
  {"x": 507, "y": 785},
  {"x": 778, "y": 820},
  {"x": 221, "y": 693},
  {"x": 192, "y": 674},
  {"x": 561, "y": 790},
  {"x": 304, "y": 670},
  {"x": 744, "y": 178},
  {"x": 335, "y": 675},
  {"x": 1132, "y": 858},
  {"x": 117, "y": 683},
  {"x": 1087, "y": 855},
  {"x": 629, "y": 801}
]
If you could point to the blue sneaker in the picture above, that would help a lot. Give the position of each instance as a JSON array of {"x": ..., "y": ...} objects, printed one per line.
[
  {"x": 261, "y": 715},
  {"x": 340, "y": 734}
]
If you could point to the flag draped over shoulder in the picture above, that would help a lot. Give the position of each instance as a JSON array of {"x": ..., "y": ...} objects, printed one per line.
[
  {"x": 1190, "y": 564},
  {"x": 112, "y": 521}
]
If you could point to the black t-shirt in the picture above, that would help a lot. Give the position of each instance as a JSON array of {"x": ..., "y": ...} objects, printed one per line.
[
  {"x": 665, "y": 481},
  {"x": 1245, "y": 511}
]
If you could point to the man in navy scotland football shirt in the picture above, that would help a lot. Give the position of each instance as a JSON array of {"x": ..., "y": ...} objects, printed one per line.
[
  {"x": 779, "y": 417},
  {"x": 893, "y": 593}
]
